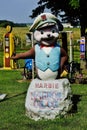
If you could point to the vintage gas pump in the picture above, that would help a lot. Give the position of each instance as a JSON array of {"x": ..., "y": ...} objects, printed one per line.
[{"x": 9, "y": 49}]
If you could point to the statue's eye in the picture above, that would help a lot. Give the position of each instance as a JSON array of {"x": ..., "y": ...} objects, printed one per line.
[
  {"x": 53, "y": 31},
  {"x": 42, "y": 32}
]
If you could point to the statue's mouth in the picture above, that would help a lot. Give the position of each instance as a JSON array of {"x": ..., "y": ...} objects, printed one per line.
[{"x": 47, "y": 39}]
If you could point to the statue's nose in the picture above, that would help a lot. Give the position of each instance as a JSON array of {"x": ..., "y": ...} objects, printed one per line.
[{"x": 48, "y": 35}]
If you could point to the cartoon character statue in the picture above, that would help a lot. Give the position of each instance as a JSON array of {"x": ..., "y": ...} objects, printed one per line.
[
  {"x": 49, "y": 56},
  {"x": 47, "y": 96}
]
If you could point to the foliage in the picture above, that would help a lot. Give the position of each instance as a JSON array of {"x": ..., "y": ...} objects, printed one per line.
[
  {"x": 56, "y": 6},
  {"x": 4, "y": 23},
  {"x": 74, "y": 11},
  {"x": 74, "y": 3}
]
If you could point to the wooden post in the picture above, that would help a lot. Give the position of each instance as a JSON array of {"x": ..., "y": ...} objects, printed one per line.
[{"x": 64, "y": 41}]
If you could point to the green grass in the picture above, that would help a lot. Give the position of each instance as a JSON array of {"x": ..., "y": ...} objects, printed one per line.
[{"x": 12, "y": 109}]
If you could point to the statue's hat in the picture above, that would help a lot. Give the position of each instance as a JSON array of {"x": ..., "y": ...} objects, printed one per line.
[{"x": 45, "y": 19}]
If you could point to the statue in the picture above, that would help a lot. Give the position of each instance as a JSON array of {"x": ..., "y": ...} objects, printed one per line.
[{"x": 49, "y": 95}]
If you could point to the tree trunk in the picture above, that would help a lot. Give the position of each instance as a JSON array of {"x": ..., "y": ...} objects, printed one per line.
[
  {"x": 82, "y": 17},
  {"x": 83, "y": 26}
]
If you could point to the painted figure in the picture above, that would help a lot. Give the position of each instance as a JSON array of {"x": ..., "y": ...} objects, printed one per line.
[
  {"x": 48, "y": 96},
  {"x": 49, "y": 56}
]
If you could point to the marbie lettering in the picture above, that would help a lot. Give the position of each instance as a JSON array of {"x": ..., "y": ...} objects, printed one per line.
[{"x": 46, "y": 85}]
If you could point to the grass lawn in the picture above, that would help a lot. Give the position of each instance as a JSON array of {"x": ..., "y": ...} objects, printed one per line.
[{"x": 12, "y": 109}]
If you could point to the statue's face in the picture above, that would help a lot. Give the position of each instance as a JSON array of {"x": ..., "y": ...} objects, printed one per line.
[{"x": 47, "y": 35}]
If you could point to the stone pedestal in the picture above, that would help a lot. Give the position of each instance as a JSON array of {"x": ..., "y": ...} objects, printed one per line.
[{"x": 48, "y": 99}]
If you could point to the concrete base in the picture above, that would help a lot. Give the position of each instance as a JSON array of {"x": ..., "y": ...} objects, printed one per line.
[{"x": 48, "y": 99}]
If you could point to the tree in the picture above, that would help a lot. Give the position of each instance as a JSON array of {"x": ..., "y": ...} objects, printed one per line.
[
  {"x": 74, "y": 11},
  {"x": 83, "y": 16}
]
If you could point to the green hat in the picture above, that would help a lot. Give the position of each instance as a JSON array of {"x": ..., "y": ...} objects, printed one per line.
[{"x": 45, "y": 19}]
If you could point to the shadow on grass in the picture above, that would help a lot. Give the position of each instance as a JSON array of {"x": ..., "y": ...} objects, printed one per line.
[
  {"x": 75, "y": 100},
  {"x": 16, "y": 95}
]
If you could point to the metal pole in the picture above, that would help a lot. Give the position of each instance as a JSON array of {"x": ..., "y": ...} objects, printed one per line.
[
  {"x": 32, "y": 40},
  {"x": 71, "y": 53}
]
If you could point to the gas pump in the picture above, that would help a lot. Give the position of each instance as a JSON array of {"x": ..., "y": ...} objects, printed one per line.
[{"x": 9, "y": 49}]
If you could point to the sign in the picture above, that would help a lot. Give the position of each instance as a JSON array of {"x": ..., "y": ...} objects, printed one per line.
[
  {"x": 82, "y": 41},
  {"x": 48, "y": 99},
  {"x": 82, "y": 48},
  {"x": 82, "y": 55}
]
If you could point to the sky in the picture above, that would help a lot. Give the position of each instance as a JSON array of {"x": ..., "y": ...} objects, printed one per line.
[{"x": 17, "y": 11}]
